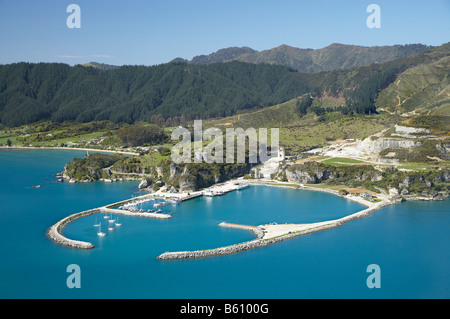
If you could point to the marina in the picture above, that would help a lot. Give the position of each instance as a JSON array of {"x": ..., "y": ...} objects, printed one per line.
[
  {"x": 129, "y": 208},
  {"x": 55, "y": 231}
]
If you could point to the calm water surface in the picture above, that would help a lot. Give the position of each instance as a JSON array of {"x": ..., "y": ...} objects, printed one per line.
[{"x": 409, "y": 241}]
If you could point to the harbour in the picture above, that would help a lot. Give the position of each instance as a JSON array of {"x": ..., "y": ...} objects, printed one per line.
[
  {"x": 266, "y": 234},
  {"x": 325, "y": 264}
]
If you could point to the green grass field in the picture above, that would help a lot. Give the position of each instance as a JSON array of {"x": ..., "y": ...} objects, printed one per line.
[{"x": 342, "y": 161}]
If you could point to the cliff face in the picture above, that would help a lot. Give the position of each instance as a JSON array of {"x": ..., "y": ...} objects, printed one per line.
[
  {"x": 177, "y": 177},
  {"x": 428, "y": 183},
  {"x": 90, "y": 168},
  {"x": 309, "y": 173},
  {"x": 372, "y": 146},
  {"x": 192, "y": 177},
  {"x": 314, "y": 172}
]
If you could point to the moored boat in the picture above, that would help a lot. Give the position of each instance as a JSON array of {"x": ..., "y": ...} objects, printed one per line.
[
  {"x": 243, "y": 186},
  {"x": 209, "y": 192},
  {"x": 99, "y": 232}
]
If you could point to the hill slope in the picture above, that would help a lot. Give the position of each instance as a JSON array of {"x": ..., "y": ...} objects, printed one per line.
[{"x": 421, "y": 89}]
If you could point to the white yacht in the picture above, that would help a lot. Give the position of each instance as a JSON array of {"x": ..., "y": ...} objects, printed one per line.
[{"x": 99, "y": 232}]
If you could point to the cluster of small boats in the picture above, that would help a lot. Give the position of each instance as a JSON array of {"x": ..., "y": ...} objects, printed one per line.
[
  {"x": 111, "y": 223},
  {"x": 131, "y": 206},
  {"x": 134, "y": 203}
]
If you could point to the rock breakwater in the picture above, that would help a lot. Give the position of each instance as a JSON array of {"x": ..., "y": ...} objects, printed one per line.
[
  {"x": 54, "y": 232},
  {"x": 260, "y": 233}
]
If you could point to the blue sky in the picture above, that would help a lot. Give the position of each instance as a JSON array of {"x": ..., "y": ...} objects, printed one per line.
[{"x": 157, "y": 31}]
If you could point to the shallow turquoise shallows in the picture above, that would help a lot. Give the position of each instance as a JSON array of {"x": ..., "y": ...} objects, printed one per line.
[{"x": 409, "y": 241}]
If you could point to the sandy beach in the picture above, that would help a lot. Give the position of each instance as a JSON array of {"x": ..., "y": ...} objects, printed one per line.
[{"x": 66, "y": 148}]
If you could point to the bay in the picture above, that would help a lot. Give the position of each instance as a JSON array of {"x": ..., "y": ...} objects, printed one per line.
[{"x": 409, "y": 242}]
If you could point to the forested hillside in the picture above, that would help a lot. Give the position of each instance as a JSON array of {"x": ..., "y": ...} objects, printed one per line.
[
  {"x": 58, "y": 92},
  {"x": 173, "y": 93}
]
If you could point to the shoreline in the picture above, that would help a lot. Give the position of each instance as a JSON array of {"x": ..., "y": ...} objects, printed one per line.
[
  {"x": 265, "y": 234},
  {"x": 65, "y": 148}
]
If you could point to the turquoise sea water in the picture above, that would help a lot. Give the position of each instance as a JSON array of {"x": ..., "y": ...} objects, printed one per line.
[{"x": 409, "y": 241}]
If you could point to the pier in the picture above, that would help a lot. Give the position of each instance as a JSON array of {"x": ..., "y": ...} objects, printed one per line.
[{"x": 54, "y": 232}]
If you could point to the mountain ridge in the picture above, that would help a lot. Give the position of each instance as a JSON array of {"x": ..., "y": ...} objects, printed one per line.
[
  {"x": 335, "y": 56},
  {"x": 175, "y": 92}
]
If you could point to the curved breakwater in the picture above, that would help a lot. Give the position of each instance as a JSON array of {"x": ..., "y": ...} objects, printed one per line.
[
  {"x": 260, "y": 233},
  {"x": 54, "y": 232}
]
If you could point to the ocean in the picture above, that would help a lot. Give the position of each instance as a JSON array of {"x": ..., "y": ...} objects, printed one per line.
[{"x": 408, "y": 241}]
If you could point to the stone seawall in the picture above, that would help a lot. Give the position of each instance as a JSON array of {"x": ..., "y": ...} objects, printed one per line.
[{"x": 54, "y": 232}]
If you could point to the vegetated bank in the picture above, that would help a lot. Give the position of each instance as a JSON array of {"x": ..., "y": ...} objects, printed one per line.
[{"x": 175, "y": 177}]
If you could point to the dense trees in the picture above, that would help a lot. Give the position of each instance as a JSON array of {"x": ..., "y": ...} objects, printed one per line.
[
  {"x": 91, "y": 167},
  {"x": 304, "y": 103},
  {"x": 134, "y": 135},
  {"x": 173, "y": 93}
]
